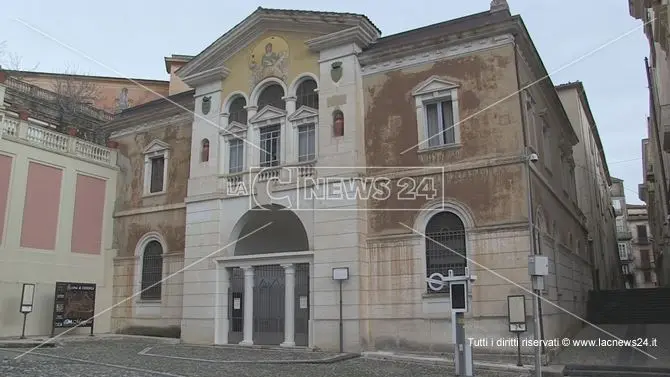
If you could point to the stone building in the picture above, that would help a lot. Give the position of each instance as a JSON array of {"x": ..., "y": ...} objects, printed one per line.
[
  {"x": 57, "y": 195},
  {"x": 294, "y": 111},
  {"x": 623, "y": 233},
  {"x": 593, "y": 181},
  {"x": 654, "y": 189},
  {"x": 641, "y": 247},
  {"x": 154, "y": 148}
]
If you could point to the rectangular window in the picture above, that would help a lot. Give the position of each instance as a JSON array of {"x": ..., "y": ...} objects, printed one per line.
[
  {"x": 623, "y": 251},
  {"x": 236, "y": 163},
  {"x": 270, "y": 146},
  {"x": 440, "y": 121},
  {"x": 306, "y": 142},
  {"x": 157, "y": 174},
  {"x": 642, "y": 232},
  {"x": 531, "y": 120},
  {"x": 546, "y": 144}
]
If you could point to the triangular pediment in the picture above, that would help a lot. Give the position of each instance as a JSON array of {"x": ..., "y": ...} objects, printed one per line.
[
  {"x": 267, "y": 113},
  {"x": 156, "y": 146},
  {"x": 235, "y": 128},
  {"x": 277, "y": 20},
  {"x": 434, "y": 84},
  {"x": 303, "y": 112}
]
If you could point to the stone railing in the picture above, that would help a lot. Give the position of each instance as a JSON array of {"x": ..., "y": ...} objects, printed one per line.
[
  {"x": 242, "y": 182},
  {"x": 14, "y": 128},
  {"x": 49, "y": 96}
]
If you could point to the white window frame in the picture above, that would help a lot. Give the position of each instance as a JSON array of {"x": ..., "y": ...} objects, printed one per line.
[
  {"x": 155, "y": 149},
  {"x": 269, "y": 116},
  {"x": 234, "y": 131},
  {"x": 435, "y": 90},
  {"x": 625, "y": 251},
  {"x": 304, "y": 116},
  {"x": 148, "y": 308}
]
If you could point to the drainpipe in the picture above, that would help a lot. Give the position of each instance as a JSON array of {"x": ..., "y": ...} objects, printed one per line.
[{"x": 537, "y": 302}]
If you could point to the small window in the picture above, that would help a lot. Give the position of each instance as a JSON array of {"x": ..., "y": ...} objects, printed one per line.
[
  {"x": 273, "y": 95},
  {"x": 306, "y": 94},
  {"x": 270, "y": 146},
  {"x": 338, "y": 123},
  {"x": 306, "y": 142},
  {"x": 204, "y": 154},
  {"x": 642, "y": 232},
  {"x": 440, "y": 121},
  {"x": 547, "y": 145},
  {"x": 236, "y": 149},
  {"x": 531, "y": 121},
  {"x": 152, "y": 271},
  {"x": 157, "y": 174},
  {"x": 623, "y": 251},
  {"x": 237, "y": 112}
]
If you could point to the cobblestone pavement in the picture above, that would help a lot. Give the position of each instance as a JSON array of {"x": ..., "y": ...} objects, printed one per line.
[{"x": 147, "y": 358}]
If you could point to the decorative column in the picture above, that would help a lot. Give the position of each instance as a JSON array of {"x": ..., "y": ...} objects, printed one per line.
[
  {"x": 248, "y": 338},
  {"x": 252, "y": 148},
  {"x": 289, "y": 155},
  {"x": 289, "y": 305}
]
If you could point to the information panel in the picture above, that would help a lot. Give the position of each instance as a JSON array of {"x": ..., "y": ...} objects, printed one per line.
[{"x": 74, "y": 305}]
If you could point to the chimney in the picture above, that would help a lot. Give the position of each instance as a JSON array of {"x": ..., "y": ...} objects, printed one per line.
[{"x": 498, "y": 5}]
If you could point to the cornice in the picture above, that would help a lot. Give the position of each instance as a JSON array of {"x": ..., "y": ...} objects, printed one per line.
[
  {"x": 378, "y": 64},
  {"x": 359, "y": 35},
  {"x": 145, "y": 126},
  {"x": 213, "y": 74}
]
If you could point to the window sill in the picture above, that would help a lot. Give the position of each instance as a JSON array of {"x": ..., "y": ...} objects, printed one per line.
[
  {"x": 439, "y": 148},
  {"x": 148, "y": 302},
  {"x": 152, "y": 194}
]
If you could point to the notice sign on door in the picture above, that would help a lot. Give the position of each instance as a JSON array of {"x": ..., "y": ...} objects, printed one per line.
[
  {"x": 303, "y": 302},
  {"x": 236, "y": 303}
]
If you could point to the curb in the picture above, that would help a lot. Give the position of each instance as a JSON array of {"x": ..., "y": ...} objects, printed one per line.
[
  {"x": 103, "y": 337},
  {"x": 443, "y": 361},
  {"x": 615, "y": 370},
  {"x": 29, "y": 344}
]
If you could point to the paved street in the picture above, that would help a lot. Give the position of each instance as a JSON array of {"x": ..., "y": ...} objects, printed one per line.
[{"x": 144, "y": 358}]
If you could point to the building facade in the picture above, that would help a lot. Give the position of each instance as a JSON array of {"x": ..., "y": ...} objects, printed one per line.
[
  {"x": 294, "y": 111},
  {"x": 154, "y": 149},
  {"x": 654, "y": 188},
  {"x": 57, "y": 194},
  {"x": 593, "y": 183},
  {"x": 623, "y": 233},
  {"x": 642, "y": 247}
]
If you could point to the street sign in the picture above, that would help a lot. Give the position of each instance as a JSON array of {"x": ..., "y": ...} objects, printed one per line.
[{"x": 27, "y": 296}]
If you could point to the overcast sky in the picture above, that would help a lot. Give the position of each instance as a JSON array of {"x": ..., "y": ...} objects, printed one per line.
[{"x": 130, "y": 38}]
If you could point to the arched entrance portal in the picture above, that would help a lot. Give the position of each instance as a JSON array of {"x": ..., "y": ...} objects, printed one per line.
[{"x": 268, "y": 297}]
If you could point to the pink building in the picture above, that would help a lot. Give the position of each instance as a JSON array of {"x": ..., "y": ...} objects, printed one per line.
[{"x": 57, "y": 194}]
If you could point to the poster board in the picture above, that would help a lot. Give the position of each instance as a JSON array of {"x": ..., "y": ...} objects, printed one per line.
[{"x": 74, "y": 305}]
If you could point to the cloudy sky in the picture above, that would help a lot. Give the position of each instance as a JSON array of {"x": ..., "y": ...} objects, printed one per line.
[{"x": 130, "y": 38}]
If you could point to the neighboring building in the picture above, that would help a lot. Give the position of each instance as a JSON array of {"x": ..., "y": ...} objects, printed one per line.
[
  {"x": 654, "y": 189},
  {"x": 57, "y": 197},
  {"x": 593, "y": 182},
  {"x": 112, "y": 94},
  {"x": 623, "y": 233},
  {"x": 642, "y": 247},
  {"x": 331, "y": 98},
  {"x": 172, "y": 65},
  {"x": 154, "y": 144}
]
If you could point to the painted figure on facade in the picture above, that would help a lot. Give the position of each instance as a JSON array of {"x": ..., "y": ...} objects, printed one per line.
[{"x": 269, "y": 59}]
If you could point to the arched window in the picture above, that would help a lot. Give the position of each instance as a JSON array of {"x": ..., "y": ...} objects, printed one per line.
[
  {"x": 338, "y": 123},
  {"x": 152, "y": 271},
  {"x": 237, "y": 111},
  {"x": 204, "y": 153},
  {"x": 445, "y": 246},
  {"x": 272, "y": 95},
  {"x": 306, "y": 94}
]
